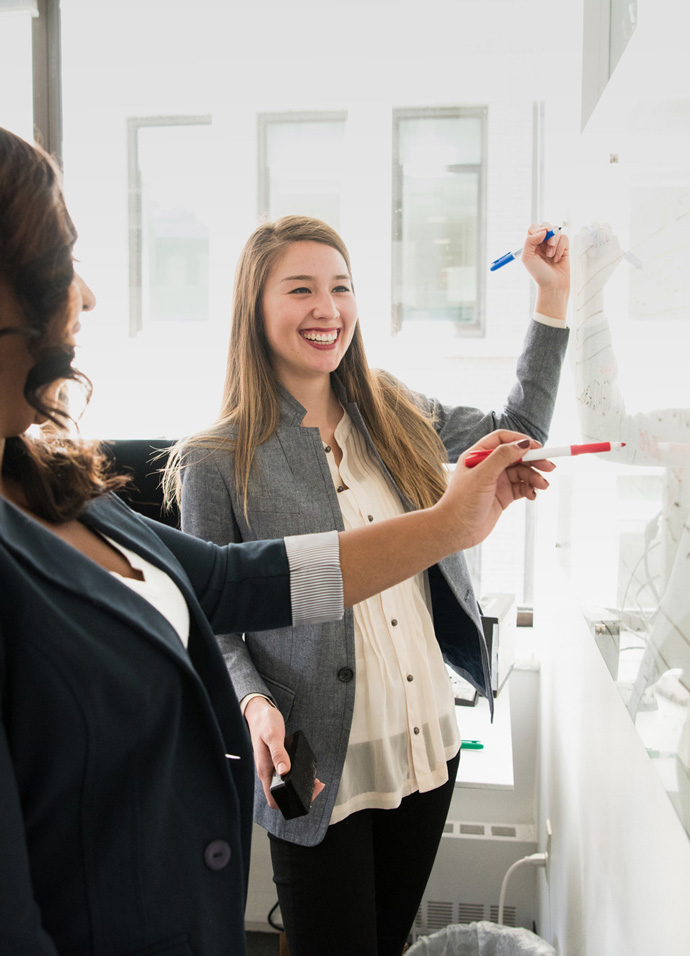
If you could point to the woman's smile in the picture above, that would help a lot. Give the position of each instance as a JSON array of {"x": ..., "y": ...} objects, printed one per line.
[{"x": 320, "y": 338}]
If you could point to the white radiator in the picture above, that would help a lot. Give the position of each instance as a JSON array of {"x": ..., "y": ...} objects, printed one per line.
[{"x": 465, "y": 882}]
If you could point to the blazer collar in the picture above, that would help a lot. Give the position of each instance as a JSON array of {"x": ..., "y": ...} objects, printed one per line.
[{"x": 293, "y": 412}]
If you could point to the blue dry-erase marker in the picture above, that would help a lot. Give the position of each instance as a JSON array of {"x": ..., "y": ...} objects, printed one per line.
[{"x": 509, "y": 256}]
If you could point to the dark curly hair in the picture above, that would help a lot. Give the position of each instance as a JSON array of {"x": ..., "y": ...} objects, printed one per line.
[{"x": 58, "y": 473}]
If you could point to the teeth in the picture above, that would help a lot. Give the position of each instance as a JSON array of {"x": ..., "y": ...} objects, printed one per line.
[{"x": 326, "y": 337}]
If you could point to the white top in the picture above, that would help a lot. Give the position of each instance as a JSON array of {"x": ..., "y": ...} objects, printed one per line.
[
  {"x": 157, "y": 588},
  {"x": 403, "y": 728}
]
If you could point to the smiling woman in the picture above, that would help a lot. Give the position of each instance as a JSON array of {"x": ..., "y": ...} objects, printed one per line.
[{"x": 309, "y": 439}]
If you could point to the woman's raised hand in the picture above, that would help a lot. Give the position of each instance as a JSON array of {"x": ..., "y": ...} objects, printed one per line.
[{"x": 548, "y": 262}]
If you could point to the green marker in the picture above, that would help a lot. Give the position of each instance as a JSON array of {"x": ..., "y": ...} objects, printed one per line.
[{"x": 471, "y": 745}]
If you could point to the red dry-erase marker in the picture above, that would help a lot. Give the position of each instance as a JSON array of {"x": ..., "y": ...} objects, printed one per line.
[{"x": 562, "y": 451}]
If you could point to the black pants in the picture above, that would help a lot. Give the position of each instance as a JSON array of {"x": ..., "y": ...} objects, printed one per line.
[{"x": 357, "y": 893}]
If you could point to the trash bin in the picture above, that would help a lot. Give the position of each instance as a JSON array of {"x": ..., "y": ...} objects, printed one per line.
[{"x": 481, "y": 939}]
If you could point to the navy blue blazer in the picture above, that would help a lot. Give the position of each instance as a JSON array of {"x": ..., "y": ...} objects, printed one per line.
[{"x": 124, "y": 827}]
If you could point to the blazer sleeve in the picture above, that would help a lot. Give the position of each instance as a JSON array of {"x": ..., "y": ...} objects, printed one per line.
[
  {"x": 239, "y": 586},
  {"x": 531, "y": 401},
  {"x": 21, "y": 930},
  {"x": 207, "y": 512}
]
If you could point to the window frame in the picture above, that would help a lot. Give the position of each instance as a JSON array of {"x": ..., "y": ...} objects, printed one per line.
[
  {"x": 134, "y": 206},
  {"x": 477, "y": 328},
  {"x": 46, "y": 54}
]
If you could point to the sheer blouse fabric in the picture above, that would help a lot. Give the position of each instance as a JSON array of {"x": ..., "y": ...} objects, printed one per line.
[{"x": 404, "y": 728}]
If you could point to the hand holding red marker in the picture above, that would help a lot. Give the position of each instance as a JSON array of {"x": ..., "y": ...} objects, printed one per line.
[{"x": 561, "y": 451}]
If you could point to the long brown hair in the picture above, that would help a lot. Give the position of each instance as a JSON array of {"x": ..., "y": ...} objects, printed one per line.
[
  {"x": 58, "y": 473},
  {"x": 402, "y": 434}
]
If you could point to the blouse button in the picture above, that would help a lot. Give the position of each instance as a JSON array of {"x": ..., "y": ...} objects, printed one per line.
[
  {"x": 394, "y": 622},
  {"x": 339, "y": 489},
  {"x": 326, "y": 448},
  {"x": 416, "y": 730},
  {"x": 410, "y": 677},
  {"x": 370, "y": 517}
]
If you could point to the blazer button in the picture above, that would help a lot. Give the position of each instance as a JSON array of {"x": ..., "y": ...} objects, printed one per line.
[
  {"x": 345, "y": 675},
  {"x": 217, "y": 855}
]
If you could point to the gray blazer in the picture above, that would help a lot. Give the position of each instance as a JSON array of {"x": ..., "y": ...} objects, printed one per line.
[{"x": 309, "y": 671}]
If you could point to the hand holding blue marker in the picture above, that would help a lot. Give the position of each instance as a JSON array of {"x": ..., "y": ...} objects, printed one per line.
[{"x": 509, "y": 256}]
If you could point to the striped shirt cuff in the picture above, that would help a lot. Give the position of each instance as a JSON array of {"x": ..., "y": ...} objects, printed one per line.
[{"x": 316, "y": 581}]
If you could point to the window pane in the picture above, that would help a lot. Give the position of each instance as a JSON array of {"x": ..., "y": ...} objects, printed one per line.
[
  {"x": 439, "y": 246},
  {"x": 438, "y": 203},
  {"x": 303, "y": 167},
  {"x": 440, "y": 141},
  {"x": 172, "y": 233}
]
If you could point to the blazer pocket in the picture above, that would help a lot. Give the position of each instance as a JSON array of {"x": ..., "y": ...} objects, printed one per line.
[
  {"x": 272, "y": 516},
  {"x": 272, "y": 504},
  {"x": 175, "y": 946},
  {"x": 282, "y": 695}
]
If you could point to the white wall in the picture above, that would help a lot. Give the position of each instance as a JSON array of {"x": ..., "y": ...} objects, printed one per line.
[{"x": 619, "y": 874}]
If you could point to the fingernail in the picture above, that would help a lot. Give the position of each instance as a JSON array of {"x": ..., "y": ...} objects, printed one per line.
[
  {"x": 525, "y": 443},
  {"x": 281, "y": 768}
]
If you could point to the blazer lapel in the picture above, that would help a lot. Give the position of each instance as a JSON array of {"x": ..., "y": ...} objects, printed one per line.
[
  {"x": 52, "y": 558},
  {"x": 303, "y": 452}
]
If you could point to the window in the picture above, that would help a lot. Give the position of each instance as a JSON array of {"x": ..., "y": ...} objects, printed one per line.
[
  {"x": 438, "y": 216},
  {"x": 300, "y": 165},
  {"x": 169, "y": 219}
]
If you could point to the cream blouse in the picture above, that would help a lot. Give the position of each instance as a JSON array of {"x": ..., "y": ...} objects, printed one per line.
[{"x": 403, "y": 728}]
